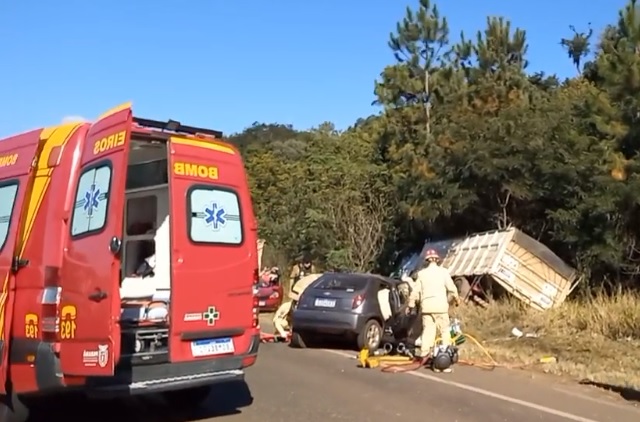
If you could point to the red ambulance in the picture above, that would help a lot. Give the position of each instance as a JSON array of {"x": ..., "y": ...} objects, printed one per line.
[{"x": 128, "y": 262}]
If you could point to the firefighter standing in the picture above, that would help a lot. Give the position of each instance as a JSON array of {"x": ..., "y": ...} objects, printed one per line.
[
  {"x": 432, "y": 287},
  {"x": 304, "y": 268}
]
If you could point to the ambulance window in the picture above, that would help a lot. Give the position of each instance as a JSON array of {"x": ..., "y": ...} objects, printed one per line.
[
  {"x": 92, "y": 198},
  {"x": 8, "y": 195},
  {"x": 214, "y": 216}
]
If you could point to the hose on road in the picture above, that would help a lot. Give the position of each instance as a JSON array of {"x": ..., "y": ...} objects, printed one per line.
[
  {"x": 399, "y": 364},
  {"x": 406, "y": 364}
]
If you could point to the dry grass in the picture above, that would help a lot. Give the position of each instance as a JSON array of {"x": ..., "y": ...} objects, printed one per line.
[{"x": 596, "y": 340}]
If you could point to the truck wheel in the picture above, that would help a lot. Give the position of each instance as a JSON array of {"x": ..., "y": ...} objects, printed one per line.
[
  {"x": 371, "y": 336},
  {"x": 464, "y": 287},
  {"x": 188, "y": 398},
  {"x": 12, "y": 409}
]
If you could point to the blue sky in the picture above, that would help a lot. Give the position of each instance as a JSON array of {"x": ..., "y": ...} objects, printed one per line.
[{"x": 224, "y": 64}]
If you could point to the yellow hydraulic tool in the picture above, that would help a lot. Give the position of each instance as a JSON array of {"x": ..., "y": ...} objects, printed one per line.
[{"x": 366, "y": 360}]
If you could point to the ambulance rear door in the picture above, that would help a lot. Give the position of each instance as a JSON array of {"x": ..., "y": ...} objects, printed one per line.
[
  {"x": 213, "y": 251},
  {"x": 18, "y": 157},
  {"x": 90, "y": 300}
]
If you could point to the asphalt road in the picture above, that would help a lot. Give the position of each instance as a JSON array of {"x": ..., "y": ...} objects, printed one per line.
[{"x": 317, "y": 385}]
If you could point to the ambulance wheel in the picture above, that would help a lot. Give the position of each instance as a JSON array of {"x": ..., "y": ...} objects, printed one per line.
[
  {"x": 188, "y": 398},
  {"x": 371, "y": 336},
  {"x": 12, "y": 409}
]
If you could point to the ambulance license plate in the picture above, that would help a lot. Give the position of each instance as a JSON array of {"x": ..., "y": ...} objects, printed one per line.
[
  {"x": 218, "y": 346},
  {"x": 326, "y": 303},
  {"x": 262, "y": 303}
]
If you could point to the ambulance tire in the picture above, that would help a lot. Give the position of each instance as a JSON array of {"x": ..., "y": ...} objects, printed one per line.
[
  {"x": 188, "y": 398},
  {"x": 12, "y": 409}
]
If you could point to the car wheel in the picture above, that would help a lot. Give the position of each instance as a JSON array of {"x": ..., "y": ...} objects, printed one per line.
[
  {"x": 12, "y": 409},
  {"x": 371, "y": 336},
  {"x": 298, "y": 340}
]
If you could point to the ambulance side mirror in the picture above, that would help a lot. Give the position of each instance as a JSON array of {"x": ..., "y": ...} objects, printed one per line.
[{"x": 115, "y": 245}]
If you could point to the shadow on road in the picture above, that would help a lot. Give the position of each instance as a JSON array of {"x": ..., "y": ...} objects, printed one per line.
[
  {"x": 626, "y": 393},
  {"x": 227, "y": 399}
]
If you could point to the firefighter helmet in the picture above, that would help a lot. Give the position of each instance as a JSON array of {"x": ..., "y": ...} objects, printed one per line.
[{"x": 431, "y": 255}]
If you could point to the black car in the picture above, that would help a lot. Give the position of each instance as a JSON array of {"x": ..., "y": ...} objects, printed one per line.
[{"x": 344, "y": 304}]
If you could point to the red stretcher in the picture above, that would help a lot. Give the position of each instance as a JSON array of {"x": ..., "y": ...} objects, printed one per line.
[{"x": 273, "y": 338}]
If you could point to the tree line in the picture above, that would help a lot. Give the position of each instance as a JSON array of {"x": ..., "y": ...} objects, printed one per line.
[{"x": 467, "y": 140}]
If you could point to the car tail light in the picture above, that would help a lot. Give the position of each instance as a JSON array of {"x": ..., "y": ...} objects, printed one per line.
[
  {"x": 357, "y": 301},
  {"x": 255, "y": 311}
]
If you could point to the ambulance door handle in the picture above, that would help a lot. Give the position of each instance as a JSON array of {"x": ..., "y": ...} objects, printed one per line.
[
  {"x": 98, "y": 296},
  {"x": 114, "y": 245}
]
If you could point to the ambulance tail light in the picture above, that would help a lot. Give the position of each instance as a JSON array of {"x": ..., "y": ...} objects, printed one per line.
[
  {"x": 256, "y": 314},
  {"x": 255, "y": 310},
  {"x": 357, "y": 301},
  {"x": 256, "y": 281},
  {"x": 50, "y": 320}
]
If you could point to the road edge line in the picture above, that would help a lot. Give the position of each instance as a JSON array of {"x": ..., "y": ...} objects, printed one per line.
[{"x": 481, "y": 391}]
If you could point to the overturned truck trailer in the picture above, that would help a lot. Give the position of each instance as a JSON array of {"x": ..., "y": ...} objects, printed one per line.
[{"x": 520, "y": 264}]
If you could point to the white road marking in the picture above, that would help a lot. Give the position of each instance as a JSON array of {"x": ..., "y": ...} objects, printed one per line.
[
  {"x": 595, "y": 399},
  {"x": 483, "y": 392}
]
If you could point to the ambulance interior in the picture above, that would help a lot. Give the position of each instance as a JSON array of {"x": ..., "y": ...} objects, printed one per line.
[{"x": 145, "y": 288}]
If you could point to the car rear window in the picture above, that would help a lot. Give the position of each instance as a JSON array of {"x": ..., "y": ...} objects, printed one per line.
[{"x": 341, "y": 283}]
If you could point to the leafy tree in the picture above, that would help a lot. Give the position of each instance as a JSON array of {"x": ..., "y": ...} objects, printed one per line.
[{"x": 468, "y": 139}]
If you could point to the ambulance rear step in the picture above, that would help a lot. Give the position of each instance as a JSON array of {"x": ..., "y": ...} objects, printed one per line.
[{"x": 168, "y": 384}]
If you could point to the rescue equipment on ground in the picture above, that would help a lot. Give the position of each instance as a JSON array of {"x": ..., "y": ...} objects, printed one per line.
[
  {"x": 444, "y": 357},
  {"x": 401, "y": 356}
]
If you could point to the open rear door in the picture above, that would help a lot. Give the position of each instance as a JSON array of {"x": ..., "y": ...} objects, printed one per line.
[
  {"x": 17, "y": 159},
  {"x": 90, "y": 301},
  {"x": 213, "y": 254}
]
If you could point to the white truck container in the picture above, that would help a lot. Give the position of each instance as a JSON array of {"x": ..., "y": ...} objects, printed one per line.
[{"x": 524, "y": 267}]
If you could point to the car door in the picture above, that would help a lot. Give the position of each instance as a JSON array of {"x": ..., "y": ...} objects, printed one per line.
[{"x": 90, "y": 300}]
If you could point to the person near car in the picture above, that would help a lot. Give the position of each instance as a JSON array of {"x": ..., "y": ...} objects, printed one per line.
[
  {"x": 409, "y": 281},
  {"x": 432, "y": 289},
  {"x": 301, "y": 269},
  {"x": 385, "y": 303},
  {"x": 282, "y": 319}
]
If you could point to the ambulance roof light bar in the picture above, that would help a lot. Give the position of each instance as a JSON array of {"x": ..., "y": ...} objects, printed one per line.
[{"x": 175, "y": 127}]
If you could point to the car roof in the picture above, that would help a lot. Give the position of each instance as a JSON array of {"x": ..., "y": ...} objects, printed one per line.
[{"x": 360, "y": 276}]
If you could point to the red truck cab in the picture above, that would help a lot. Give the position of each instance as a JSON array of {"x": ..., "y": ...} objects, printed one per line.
[{"x": 83, "y": 206}]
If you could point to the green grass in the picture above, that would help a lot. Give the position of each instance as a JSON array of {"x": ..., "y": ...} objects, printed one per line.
[{"x": 596, "y": 339}]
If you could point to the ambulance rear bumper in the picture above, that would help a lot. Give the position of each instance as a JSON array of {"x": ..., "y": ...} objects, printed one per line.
[{"x": 146, "y": 379}]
